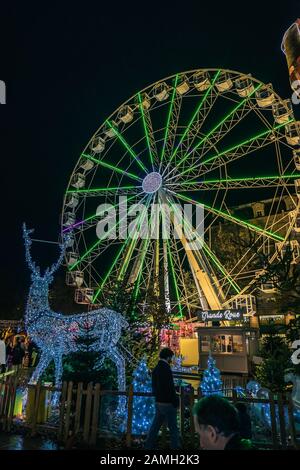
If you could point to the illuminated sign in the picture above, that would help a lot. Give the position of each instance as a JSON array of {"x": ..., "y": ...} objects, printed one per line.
[{"x": 220, "y": 315}]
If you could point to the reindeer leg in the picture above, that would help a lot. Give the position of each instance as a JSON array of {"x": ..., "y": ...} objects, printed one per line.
[
  {"x": 58, "y": 376},
  {"x": 100, "y": 361},
  {"x": 44, "y": 361},
  {"x": 119, "y": 361},
  {"x": 58, "y": 369}
]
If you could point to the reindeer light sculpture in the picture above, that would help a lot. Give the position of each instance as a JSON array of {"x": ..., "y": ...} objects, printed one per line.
[{"x": 55, "y": 333}]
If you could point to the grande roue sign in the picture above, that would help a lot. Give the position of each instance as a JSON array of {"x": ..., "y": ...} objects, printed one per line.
[{"x": 220, "y": 315}]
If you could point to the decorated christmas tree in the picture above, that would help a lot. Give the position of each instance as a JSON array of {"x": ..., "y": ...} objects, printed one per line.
[
  {"x": 143, "y": 407},
  {"x": 211, "y": 383}
]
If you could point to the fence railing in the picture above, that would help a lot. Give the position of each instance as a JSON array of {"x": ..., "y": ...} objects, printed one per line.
[{"x": 80, "y": 417}]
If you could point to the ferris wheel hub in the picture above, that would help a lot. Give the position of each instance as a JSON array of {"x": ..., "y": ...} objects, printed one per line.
[{"x": 152, "y": 182}]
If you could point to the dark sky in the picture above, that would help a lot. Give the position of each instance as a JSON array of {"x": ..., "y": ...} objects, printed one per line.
[{"x": 68, "y": 66}]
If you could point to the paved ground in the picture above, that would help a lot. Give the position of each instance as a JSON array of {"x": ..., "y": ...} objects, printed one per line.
[{"x": 19, "y": 442}]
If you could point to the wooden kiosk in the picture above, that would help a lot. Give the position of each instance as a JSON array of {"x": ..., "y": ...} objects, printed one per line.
[{"x": 230, "y": 338}]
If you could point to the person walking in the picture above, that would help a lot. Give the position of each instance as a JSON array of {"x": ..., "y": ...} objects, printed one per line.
[
  {"x": 17, "y": 355},
  {"x": 166, "y": 401}
]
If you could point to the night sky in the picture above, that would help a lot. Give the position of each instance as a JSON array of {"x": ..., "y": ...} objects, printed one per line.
[{"x": 68, "y": 66}]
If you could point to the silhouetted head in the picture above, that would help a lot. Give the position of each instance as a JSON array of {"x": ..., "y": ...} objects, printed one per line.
[
  {"x": 216, "y": 420},
  {"x": 166, "y": 354}
]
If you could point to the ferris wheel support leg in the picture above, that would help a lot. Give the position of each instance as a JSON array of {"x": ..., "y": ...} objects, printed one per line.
[{"x": 166, "y": 276}]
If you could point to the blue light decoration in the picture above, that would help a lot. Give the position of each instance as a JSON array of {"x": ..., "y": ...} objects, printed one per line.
[
  {"x": 211, "y": 383},
  {"x": 143, "y": 407},
  {"x": 55, "y": 333},
  {"x": 179, "y": 368}
]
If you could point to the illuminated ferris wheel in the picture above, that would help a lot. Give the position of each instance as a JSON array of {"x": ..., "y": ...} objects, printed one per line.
[{"x": 215, "y": 138}]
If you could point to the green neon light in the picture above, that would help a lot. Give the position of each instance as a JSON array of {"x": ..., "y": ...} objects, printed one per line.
[
  {"x": 127, "y": 258},
  {"x": 169, "y": 118},
  {"x": 145, "y": 129},
  {"x": 73, "y": 266},
  {"x": 194, "y": 115},
  {"x": 246, "y": 178},
  {"x": 174, "y": 279},
  {"x": 133, "y": 243},
  {"x": 220, "y": 267},
  {"x": 126, "y": 145},
  {"x": 98, "y": 190},
  {"x": 138, "y": 283},
  {"x": 233, "y": 219},
  {"x": 215, "y": 260},
  {"x": 108, "y": 273},
  {"x": 125, "y": 265},
  {"x": 219, "y": 124},
  {"x": 137, "y": 286},
  {"x": 247, "y": 141},
  {"x": 111, "y": 167}
]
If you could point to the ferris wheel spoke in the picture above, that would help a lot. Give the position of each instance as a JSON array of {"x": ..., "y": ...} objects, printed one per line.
[
  {"x": 237, "y": 151},
  {"x": 174, "y": 279},
  {"x": 91, "y": 218},
  {"x": 233, "y": 219},
  {"x": 191, "y": 122},
  {"x": 225, "y": 125},
  {"x": 111, "y": 167},
  {"x": 168, "y": 256},
  {"x": 172, "y": 121},
  {"x": 114, "y": 262},
  {"x": 109, "y": 190},
  {"x": 134, "y": 242},
  {"x": 234, "y": 117},
  {"x": 246, "y": 143},
  {"x": 245, "y": 259},
  {"x": 148, "y": 131},
  {"x": 101, "y": 239},
  {"x": 137, "y": 270},
  {"x": 129, "y": 242},
  {"x": 138, "y": 282},
  {"x": 127, "y": 146},
  {"x": 178, "y": 264},
  {"x": 247, "y": 182},
  {"x": 219, "y": 266}
]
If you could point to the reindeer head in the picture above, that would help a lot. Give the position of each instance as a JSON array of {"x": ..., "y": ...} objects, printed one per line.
[{"x": 41, "y": 281}]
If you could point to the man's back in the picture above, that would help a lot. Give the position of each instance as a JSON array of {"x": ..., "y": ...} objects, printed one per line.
[{"x": 163, "y": 384}]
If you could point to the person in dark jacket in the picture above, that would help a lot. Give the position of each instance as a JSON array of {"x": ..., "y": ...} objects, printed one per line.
[
  {"x": 217, "y": 423},
  {"x": 166, "y": 401},
  {"x": 17, "y": 355}
]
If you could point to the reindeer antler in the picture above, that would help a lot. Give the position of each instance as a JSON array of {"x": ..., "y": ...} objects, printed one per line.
[
  {"x": 62, "y": 248},
  {"x": 28, "y": 243},
  {"x": 31, "y": 264}
]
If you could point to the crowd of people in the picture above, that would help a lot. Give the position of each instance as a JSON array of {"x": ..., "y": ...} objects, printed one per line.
[{"x": 16, "y": 350}]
